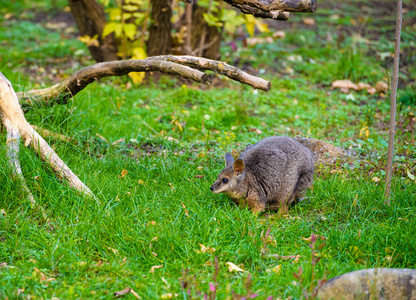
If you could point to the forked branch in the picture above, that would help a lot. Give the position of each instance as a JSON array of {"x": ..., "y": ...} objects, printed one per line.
[
  {"x": 185, "y": 66},
  {"x": 14, "y": 121}
]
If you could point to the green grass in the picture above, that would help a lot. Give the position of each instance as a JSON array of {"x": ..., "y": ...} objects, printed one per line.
[{"x": 162, "y": 210}]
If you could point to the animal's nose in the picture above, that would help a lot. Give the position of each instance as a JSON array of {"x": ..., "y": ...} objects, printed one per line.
[{"x": 211, "y": 188}]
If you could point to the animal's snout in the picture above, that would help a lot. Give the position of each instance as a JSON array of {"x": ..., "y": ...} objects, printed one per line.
[{"x": 212, "y": 188}]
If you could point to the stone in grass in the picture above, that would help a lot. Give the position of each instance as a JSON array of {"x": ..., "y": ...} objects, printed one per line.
[{"x": 383, "y": 283}]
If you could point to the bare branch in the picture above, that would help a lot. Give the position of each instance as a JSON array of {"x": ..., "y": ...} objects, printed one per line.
[
  {"x": 390, "y": 154},
  {"x": 54, "y": 135},
  {"x": 273, "y": 14},
  {"x": 12, "y": 144},
  {"x": 273, "y": 8},
  {"x": 219, "y": 67},
  {"x": 14, "y": 120},
  {"x": 72, "y": 85}
]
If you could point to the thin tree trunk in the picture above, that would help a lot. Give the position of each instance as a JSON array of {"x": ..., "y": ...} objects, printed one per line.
[
  {"x": 160, "y": 40},
  {"x": 201, "y": 31},
  {"x": 389, "y": 167},
  {"x": 90, "y": 18}
]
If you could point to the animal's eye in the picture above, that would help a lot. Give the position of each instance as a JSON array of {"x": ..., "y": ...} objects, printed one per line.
[{"x": 225, "y": 180}]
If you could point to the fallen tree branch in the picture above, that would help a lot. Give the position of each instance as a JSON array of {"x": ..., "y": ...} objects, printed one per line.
[
  {"x": 12, "y": 144},
  {"x": 218, "y": 67},
  {"x": 268, "y": 6},
  {"x": 15, "y": 123},
  {"x": 185, "y": 66},
  {"x": 65, "y": 90},
  {"x": 45, "y": 132}
]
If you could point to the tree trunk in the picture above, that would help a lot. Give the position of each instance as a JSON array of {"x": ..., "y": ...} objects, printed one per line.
[
  {"x": 205, "y": 40},
  {"x": 90, "y": 18},
  {"x": 160, "y": 40}
]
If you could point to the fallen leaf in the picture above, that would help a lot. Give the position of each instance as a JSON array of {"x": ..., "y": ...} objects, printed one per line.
[
  {"x": 308, "y": 21},
  {"x": 279, "y": 35},
  {"x": 3, "y": 212},
  {"x": 376, "y": 179},
  {"x": 155, "y": 239},
  {"x": 205, "y": 249},
  {"x": 171, "y": 139},
  {"x": 118, "y": 141},
  {"x": 276, "y": 269},
  {"x": 381, "y": 87},
  {"x": 207, "y": 264},
  {"x": 232, "y": 267},
  {"x": 309, "y": 239},
  {"x": 126, "y": 291},
  {"x": 115, "y": 251},
  {"x": 141, "y": 182},
  {"x": 199, "y": 176},
  {"x": 363, "y": 86},
  {"x": 152, "y": 270},
  {"x": 410, "y": 175},
  {"x": 336, "y": 171},
  {"x": 371, "y": 90},
  {"x": 344, "y": 85},
  {"x": 123, "y": 174}
]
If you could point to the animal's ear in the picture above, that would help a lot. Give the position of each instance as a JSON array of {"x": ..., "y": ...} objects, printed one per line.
[
  {"x": 229, "y": 159},
  {"x": 238, "y": 167}
]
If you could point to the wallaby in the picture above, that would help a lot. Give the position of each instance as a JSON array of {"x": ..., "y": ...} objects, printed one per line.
[{"x": 272, "y": 173}]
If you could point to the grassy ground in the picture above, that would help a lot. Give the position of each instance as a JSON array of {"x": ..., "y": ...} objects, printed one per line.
[{"x": 174, "y": 136}]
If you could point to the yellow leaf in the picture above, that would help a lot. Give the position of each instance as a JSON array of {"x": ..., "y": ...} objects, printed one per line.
[
  {"x": 277, "y": 269},
  {"x": 130, "y": 30},
  {"x": 110, "y": 27},
  {"x": 118, "y": 30},
  {"x": 130, "y": 7},
  {"x": 123, "y": 174},
  {"x": 141, "y": 182},
  {"x": 152, "y": 270},
  {"x": 261, "y": 26},
  {"x": 232, "y": 267},
  {"x": 139, "y": 53},
  {"x": 114, "y": 14},
  {"x": 250, "y": 24},
  {"x": 206, "y": 249},
  {"x": 137, "y": 77}
]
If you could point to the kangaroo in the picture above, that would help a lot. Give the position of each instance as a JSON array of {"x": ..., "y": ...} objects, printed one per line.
[{"x": 272, "y": 173}]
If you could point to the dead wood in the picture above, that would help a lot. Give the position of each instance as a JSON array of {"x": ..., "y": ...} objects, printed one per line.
[
  {"x": 63, "y": 91},
  {"x": 14, "y": 121},
  {"x": 185, "y": 66},
  {"x": 273, "y": 14},
  {"x": 218, "y": 67},
  {"x": 273, "y": 9},
  {"x": 45, "y": 132}
]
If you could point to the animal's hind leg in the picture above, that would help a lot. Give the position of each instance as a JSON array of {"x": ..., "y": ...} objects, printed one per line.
[{"x": 305, "y": 181}]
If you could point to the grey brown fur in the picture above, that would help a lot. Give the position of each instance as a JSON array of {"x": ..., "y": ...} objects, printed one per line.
[{"x": 272, "y": 173}]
